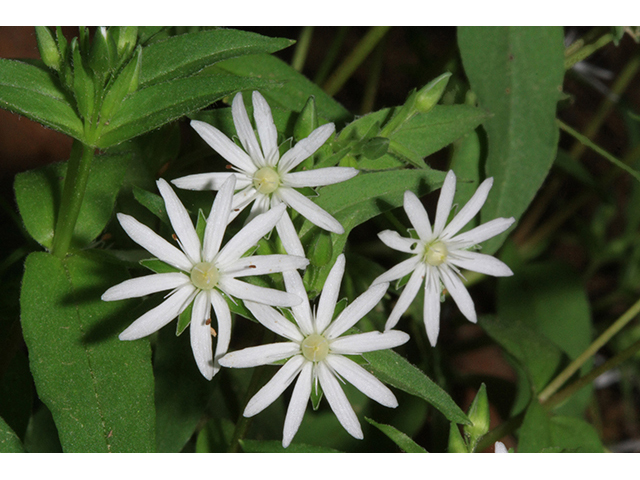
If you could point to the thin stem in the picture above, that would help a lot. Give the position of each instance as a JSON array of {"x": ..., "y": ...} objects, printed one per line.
[
  {"x": 354, "y": 60},
  {"x": 373, "y": 81},
  {"x": 588, "y": 143},
  {"x": 302, "y": 48},
  {"x": 330, "y": 57},
  {"x": 587, "y": 50},
  {"x": 574, "y": 366},
  {"x": 75, "y": 185},
  {"x": 582, "y": 382}
]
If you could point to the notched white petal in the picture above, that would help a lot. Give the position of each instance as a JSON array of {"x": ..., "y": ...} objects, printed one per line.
[
  {"x": 368, "y": 342},
  {"x": 260, "y": 355},
  {"x": 319, "y": 177},
  {"x": 225, "y": 147},
  {"x": 418, "y": 216},
  {"x": 356, "y": 310}
]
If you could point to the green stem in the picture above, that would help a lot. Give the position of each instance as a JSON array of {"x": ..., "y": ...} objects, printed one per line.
[
  {"x": 574, "y": 366},
  {"x": 330, "y": 57},
  {"x": 373, "y": 81},
  {"x": 582, "y": 382},
  {"x": 587, "y": 50},
  {"x": 588, "y": 143},
  {"x": 355, "y": 58},
  {"x": 302, "y": 48},
  {"x": 75, "y": 184}
]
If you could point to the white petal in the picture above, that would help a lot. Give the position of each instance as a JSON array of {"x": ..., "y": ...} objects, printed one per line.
[
  {"x": 482, "y": 232},
  {"x": 479, "y": 262},
  {"x": 274, "y": 321},
  {"x": 368, "y": 342},
  {"x": 310, "y": 210},
  {"x": 266, "y": 129},
  {"x": 245, "y": 130},
  {"x": 274, "y": 388},
  {"x": 418, "y": 216},
  {"x": 261, "y": 204},
  {"x": 154, "y": 243},
  {"x": 500, "y": 448},
  {"x": 400, "y": 270},
  {"x": 210, "y": 181},
  {"x": 181, "y": 222},
  {"x": 260, "y": 355},
  {"x": 329, "y": 295},
  {"x": 141, "y": 286},
  {"x": 302, "y": 312},
  {"x": 431, "y": 309},
  {"x": 297, "y": 404},
  {"x": 247, "y": 291},
  {"x": 249, "y": 236},
  {"x": 458, "y": 292},
  {"x": 158, "y": 317},
  {"x": 217, "y": 221},
  {"x": 356, "y": 310},
  {"x": 444, "y": 203},
  {"x": 241, "y": 200},
  {"x": 200, "y": 334},
  {"x": 407, "y": 296},
  {"x": 289, "y": 236},
  {"x": 393, "y": 240},
  {"x": 265, "y": 264},
  {"x": 470, "y": 210},
  {"x": 338, "y": 401},
  {"x": 362, "y": 380},
  {"x": 305, "y": 148},
  {"x": 225, "y": 147},
  {"x": 319, "y": 177},
  {"x": 223, "y": 320}
]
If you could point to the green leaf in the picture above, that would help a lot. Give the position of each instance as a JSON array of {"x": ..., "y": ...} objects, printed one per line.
[
  {"x": 38, "y": 194},
  {"x": 34, "y": 92},
  {"x": 393, "y": 369},
  {"x": 153, "y": 202},
  {"x": 274, "y": 446},
  {"x": 83, "y": 87},
  {"x": 126, "y": 82},
  {"x": 98, "y": 388},
  {"x": 517, "y": 74},
  {"x": 184, "y": 55},
  {"x": 149, "y": 108},
  {"x": 295, "y": 92},
  {"x": 536, "y": 353},
  {"x": 400, "y": 439},
  {"x": 9, "y": 441},
  {"x": 357, "y": 200},
  {"x": 535, "y": 432}
]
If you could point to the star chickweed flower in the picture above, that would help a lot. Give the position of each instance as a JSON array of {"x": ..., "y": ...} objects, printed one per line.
[
  {"x": 439, "y": 254},
  {"x": 265, "y": 178},
  {"x": 315, "y": 353},
  {"x": 206, "y": 271}
]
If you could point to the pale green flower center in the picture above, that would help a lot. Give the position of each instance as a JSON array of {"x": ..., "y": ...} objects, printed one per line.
[
  {"x": 315, "y": 347},
  {"x": 436, "y": 253},
  {"x": 205, "y": 275},
  {"x": 266, "y": 180}
]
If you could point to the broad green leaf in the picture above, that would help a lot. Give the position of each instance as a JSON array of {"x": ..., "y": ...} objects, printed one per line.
[
  {"x": 149, "y": 108},
  {"x": 9, "y": 441},
  {"x": 466, "y": 162},
  {"x": 516, "y": 73},
  {"x": 536, "y": 353},
  {"x": 535, "y": 432},
  {"x": 98, "y": 388},
  {"x": 184, "y": 55},
  {"x": 401, "y": 439},
  {"x": 274, "y": 446},
  {"x": 393, "y": 369},
  {"x": 357, "y": 200},
  {"x": 38, "y": 194},
  {"x": 295, "y": 92},
  {"x": 34, "y": 92},
  {"x": 153, "y": 202}
]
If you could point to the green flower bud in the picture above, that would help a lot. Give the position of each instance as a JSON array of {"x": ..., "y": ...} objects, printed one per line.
[
  {"x": 307, "y": 121},
  {"x": 479, "y": 416},
  {"x": 48, "y": 48},
  {"x": 100, "y": 58},
  {"x": 456, "y": 442},
  {"x": 126, "y": 39},
  {"x": 429, "y": 95}
]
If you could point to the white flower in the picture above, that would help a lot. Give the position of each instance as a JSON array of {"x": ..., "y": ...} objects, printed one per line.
[
  {"x": 206, "y": 271},
  {"x": 315, "y": 353},
  {"x": 265, "y": 178},
  {"x": 500, "y": 448},
  {"x": 439, "y": 254}
]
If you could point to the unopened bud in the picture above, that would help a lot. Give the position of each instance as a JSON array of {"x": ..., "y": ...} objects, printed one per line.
[
  {"x": 429, "y": 95},
  {"x": 479, "y": 416},
  {"x": 48, "y": 48}
]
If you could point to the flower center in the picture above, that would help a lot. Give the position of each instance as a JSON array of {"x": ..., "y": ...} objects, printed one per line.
[
  {"x": 436, "y": 253},
  {"x": 315, "y": 347},
  {"x": 266, "y": 180},
  {"x": 205, "y": 275}
]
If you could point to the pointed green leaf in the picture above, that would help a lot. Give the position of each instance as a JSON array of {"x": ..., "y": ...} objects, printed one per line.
[
  {"x": 401, "y": 439},
  {"x": 98, "y": 388},
  {"x": 393, "y": 369},
  {"x": 517, "y": 74},
  {"x": 152, "y": 107},
  {"x": 126, "y": 82},
  {"x": 153, "y": 202},
  {"x": 83, "y": 87},
  {"x": 34, "y": 92}
]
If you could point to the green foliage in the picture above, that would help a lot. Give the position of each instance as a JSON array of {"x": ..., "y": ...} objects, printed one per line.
[{"x": 400, "y": 439}]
